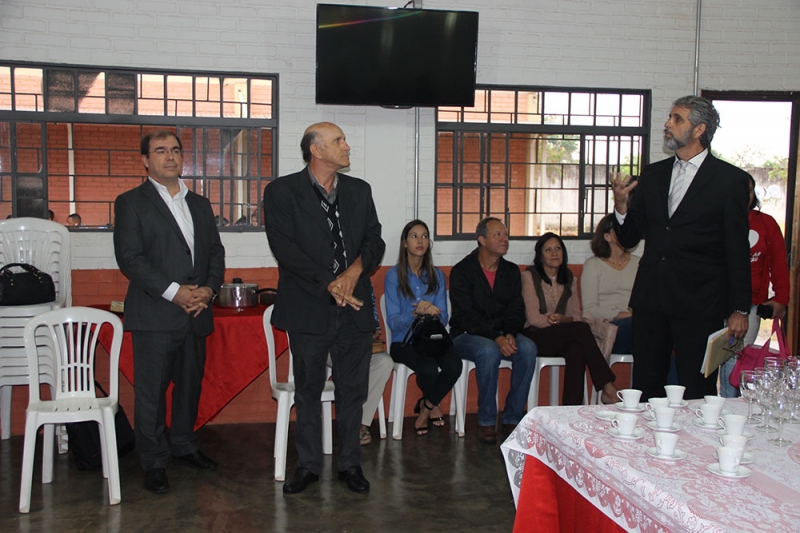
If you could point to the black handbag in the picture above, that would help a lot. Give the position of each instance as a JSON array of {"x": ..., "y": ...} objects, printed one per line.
[
  {"x": 428, "y": 336},
  {"x": 84, "y": 439},
  {"x": 31, "y": 286}
]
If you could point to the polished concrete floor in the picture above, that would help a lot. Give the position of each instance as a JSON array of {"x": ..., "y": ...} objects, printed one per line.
[{"x": 437, "y": 483}]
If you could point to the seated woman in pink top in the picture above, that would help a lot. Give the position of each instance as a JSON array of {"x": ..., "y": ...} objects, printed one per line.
[{"x": 553, "y": 322}]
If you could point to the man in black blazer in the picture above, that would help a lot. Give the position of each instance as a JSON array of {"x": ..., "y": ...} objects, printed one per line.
[
  {"x": 324, "y": 232},
  {"x": 168, "y": 246},
  {"x": 691, "y": 210}
]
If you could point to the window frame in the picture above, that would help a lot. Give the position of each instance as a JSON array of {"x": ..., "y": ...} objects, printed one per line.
[
  {"x": 461, "y": 126},
  {"x": 173, "y": 121}
]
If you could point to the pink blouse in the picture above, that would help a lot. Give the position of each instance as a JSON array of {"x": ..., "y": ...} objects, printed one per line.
[{"x": 552, "y": 293}]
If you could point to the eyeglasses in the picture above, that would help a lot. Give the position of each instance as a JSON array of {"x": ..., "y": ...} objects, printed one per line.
[{"x": 161, "y": 151}]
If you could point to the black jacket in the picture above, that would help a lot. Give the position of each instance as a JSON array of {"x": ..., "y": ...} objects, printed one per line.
[{"x": 478, "y": 309}]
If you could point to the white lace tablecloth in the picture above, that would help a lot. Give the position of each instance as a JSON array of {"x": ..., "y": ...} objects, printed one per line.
[{"x": 641, "y": 493}]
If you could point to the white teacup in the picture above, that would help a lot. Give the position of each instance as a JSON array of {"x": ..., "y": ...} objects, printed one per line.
[
  {"x": 664, "y": 417},
  {"x": 675, "y": 393},
  {"x": 729, "y": 459},
  {"x": 665, "y": 443},
  {"x": 733, "y": 441},
  {"x": 708, "y": 413},
  {"x": 653, "y": 403},
  {"x": 733, "y": 424},
  {"x": 715, "y": 400},
  {"x": 625, "y": 423},
  {"x": 629, "y": 397}
]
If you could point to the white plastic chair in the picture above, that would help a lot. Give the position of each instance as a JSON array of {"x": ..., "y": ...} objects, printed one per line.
[
  {"x": 613, "y": 359},
  {"x": 72, "y": 338},
  {"x": 45, "y": 245},
  {"x": 400, "y": 375},
  {"x": 283, "y": 392}
]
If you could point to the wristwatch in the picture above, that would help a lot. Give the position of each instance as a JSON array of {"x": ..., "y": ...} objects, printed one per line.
[
  {"x": 743, "y": 313},
  {"x": 213, "y": 296}
]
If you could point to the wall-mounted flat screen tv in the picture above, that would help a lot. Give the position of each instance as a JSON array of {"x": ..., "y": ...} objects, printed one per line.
[{"x": 395, "y": 57}]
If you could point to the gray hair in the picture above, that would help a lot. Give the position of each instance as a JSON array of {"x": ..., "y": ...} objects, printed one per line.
[
  {"x": 481, "y": 230},
  {"x": 701, "y": 111}
]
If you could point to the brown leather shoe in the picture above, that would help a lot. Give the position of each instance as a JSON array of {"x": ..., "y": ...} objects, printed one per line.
[{"x": 487, "y": 434}]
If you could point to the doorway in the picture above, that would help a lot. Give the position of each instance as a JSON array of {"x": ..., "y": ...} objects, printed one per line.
[{"x": 759, "y": 133}]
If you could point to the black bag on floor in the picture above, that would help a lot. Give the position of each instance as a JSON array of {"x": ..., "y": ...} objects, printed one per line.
[
  {"x": 31, "y": 286},
  {"x": 84, "y": 439}
]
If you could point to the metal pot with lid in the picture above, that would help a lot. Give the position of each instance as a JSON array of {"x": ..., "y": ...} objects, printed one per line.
[{"x": 240, "y": 295}]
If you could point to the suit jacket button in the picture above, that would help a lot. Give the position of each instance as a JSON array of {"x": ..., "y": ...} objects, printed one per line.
[
  {"x": 668, "y": 228},
  {"x": 333, "y": 245},
  {"x": 188, "y": 252},
  {"x": 663, "y": 256}
]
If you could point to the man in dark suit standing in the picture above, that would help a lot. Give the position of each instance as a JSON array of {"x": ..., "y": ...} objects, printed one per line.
[
  {"x": 324, "y": 231},
  {"x": 168, "y": 246},
  {"x": 691, "y": 210}
]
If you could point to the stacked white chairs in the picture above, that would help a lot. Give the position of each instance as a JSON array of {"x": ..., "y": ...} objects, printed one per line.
[
  {"x": 71, "y": 339},
  {"x": 45, "y": 245},
  {"x": 283, "y": 392}
]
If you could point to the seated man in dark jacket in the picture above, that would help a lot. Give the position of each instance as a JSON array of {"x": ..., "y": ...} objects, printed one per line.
[{"x": 488, "y": 314}]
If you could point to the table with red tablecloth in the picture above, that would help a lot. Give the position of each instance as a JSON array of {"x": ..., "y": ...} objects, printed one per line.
[
  {"x": 236, "y": 354},
  {"x": 567, "y": 473}
]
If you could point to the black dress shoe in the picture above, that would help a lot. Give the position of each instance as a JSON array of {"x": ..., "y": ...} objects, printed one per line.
[
  {"x": 198, "y": 460},
  {"x": 301, "y": 479},
  {"x": 355, "y": 479},
  {"x": 155, "y": 480}
]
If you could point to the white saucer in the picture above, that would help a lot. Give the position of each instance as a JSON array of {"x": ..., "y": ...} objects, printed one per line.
[
  {"x": 746, "y": 434},
  {"x": 637, "y": 434},
  {"x": 675, "y": 427},
  {"x": 683, "y": 403},
  {"x": 741, "y": 474},
  {"x": 605, "y": 414},
  {"x": 621, "y": 407},
  {"x": 747, "y": 458},
  {"x": 676, "y": 456},
  {"x": 699, "y": 423}
]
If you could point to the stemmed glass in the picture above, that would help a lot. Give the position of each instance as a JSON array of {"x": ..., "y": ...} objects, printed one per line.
[
  {"x": 764, "y": 382},
  {"x": 781, "y": 403},
  {"x": 748, "y": 389},
  {"x": 792, "y": 373}
]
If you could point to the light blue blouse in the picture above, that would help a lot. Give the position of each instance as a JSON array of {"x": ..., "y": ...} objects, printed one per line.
[{"x": 400, "y": 309}]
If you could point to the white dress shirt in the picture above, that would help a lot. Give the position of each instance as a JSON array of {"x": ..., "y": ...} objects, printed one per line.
[
  {"x": 180, "y": 211},
  {"x": 692, "y": 166}
]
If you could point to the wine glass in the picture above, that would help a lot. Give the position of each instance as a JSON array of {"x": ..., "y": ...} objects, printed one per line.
[
  {"x": 781, "y": 403},
  {"x": 764, "y": 381},
  {"x": 747, "y": 388}
]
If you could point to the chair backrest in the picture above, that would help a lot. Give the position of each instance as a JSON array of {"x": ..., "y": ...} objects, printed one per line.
[
  {"x": 43, "y": 244},
  {"x": 384, "y": 324},
  {"x": 72, "y": 338},
  {"x": 270, "y": 335}
]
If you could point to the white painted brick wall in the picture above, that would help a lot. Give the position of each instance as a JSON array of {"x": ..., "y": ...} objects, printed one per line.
[{"x": 745, "y": 45}]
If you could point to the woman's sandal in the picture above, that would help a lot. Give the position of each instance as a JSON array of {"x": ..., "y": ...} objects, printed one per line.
[
  {"x": 437, "y": 421},
  {"x": 421, "y": 430}
]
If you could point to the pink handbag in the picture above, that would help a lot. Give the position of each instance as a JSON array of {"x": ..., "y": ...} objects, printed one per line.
[{"x": 752, "y": 356}]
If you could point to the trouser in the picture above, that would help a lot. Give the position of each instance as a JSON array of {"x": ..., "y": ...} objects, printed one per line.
[
  {"x": 161, "y": 357},
  {"x": 433, "y": 382},
  {"x": 655, "y": 335},
  {"x": 350, "y": 350},
  {"x": 486, "y": 355},
  {"x": 575, "y": 343}
]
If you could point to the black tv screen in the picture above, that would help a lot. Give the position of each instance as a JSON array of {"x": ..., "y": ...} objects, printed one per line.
[{"x": 395, "y": 57}]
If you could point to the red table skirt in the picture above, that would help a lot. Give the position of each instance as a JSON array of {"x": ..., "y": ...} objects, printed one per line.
[
  {"x": 548, "y": 504},
  {"x": 236, "y": 354}
]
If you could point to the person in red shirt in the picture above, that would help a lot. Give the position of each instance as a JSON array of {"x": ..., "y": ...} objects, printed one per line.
[{"x": 768, "y": 265}]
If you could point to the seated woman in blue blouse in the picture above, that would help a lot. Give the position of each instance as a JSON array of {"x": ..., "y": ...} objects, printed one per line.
[{"x": 415, "y": 287}]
